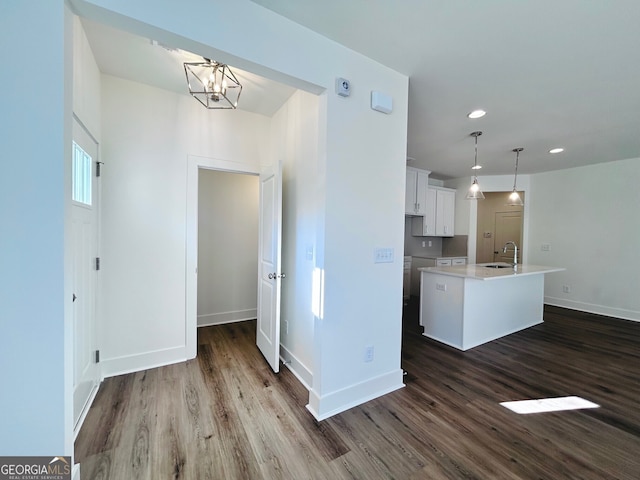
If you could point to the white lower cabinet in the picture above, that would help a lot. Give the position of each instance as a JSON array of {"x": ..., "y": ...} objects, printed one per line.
[
  {"x": 406, "y": 284},
  {"x": 418, "y": 262}
]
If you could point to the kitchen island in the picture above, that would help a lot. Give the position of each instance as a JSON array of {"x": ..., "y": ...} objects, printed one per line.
[{"x": 467, "y": 305}]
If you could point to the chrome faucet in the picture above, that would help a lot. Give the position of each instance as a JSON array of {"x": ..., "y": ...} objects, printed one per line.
[{"x": 515, "y": 252}]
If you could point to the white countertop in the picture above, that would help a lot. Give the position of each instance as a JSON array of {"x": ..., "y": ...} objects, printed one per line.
[{"x": 480, "y": 271}]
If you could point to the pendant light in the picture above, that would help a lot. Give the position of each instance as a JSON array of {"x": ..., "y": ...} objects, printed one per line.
[
  {"x": 213, "y": 84},
  {"x": 514, "y": 198},
  {"x": 474, "y": 192}
]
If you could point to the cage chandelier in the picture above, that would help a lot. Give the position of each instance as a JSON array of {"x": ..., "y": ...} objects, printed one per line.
[{"x": 213, "y": 84}]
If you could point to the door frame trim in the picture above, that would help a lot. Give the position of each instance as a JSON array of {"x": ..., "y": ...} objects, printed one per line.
[{"x": 194, "y": 164}]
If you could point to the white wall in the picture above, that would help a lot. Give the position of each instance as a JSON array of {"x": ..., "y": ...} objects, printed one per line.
[
  {"x": 589, "y": 217},
  {"x": 148, "y": 135},
  {"x": 227, "y": 247},
  {"x": 295, "y": 141},
  {"x": 86, "y": 82},
  {"x": 364, "y": 210},
  {"x": 35, "y": 197}
]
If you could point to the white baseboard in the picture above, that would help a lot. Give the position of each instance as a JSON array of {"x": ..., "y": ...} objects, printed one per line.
[
  {"x": 226, "y": 317},
  {"x": 143, "y": 361},
  {"x": 325, "y": 406},
  {"x": 85, "y": 410},
  {"x": 592, "y": 308},
  {"x": 301, "y": 372}
]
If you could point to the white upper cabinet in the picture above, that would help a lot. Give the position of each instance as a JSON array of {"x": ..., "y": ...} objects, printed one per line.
[
  {"x": 439, "y": 216},
  {"x": 445, "y": 212},
  {"x": 427, "y": 224},
  {"x": 416, "y": 191}
]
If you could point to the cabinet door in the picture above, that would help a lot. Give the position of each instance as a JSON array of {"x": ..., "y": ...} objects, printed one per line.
[
  {"x": 422, "y": 187},
  {"x": 429, "y": 219},
  {"x": 425, "y": 226},
  {"x": 445, "y": 210},
  {"x": 410, "y": 204}
]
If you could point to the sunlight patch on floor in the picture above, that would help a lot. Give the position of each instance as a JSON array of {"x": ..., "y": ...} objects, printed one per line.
[{"x": 549, "y": 405}]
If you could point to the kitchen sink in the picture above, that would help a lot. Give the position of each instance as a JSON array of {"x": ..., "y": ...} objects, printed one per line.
[{"x": 497, "y": 265}]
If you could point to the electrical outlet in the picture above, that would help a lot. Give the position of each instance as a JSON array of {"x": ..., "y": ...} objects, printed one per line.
[
  {"x": 368, "y": 354},
  {"x": 566, "y": 288},
  {"x": 424, "y": 244},
  {"x": 545, "y": 247},
  {"x": 441, "y": 286},
  {"x": 430, "y": 243}
]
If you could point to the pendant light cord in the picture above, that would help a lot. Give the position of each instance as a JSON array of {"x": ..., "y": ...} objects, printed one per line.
[
  {"x": 475, "y": 160},
  {"x": 515, "y": 177}
]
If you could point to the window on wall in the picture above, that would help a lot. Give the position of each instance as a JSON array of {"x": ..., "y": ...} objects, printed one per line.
[{"x": 81, "y": 175}]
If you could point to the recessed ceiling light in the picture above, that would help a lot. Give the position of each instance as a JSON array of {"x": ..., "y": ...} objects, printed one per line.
[
  {"x": 476, "y": 167},
  {"x": 477, "y": 114},
  {"x": 556, "y": 150}
]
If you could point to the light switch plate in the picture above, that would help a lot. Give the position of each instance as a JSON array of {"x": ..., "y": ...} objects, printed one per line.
[{"x": 383, "y": 255}]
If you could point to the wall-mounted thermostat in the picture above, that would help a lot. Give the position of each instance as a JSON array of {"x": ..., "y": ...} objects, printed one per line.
[{"x": 343, "y": 87}]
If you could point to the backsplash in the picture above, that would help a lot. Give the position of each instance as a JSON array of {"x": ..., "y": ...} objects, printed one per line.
[
  {"x": 413, "y": 245},
  {"x": 455, "y": 246},
  {"x": 440, "y": 246}
]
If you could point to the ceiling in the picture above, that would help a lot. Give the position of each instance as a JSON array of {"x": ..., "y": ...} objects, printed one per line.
[
  {"x": 143, "y": 60},
  {"x": 549, "y": 74}
]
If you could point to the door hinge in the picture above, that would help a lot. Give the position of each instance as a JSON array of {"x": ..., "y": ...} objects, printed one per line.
[
  {"x": 99, "y": 168},
  {"x": 97, "y": 356},
  {"x": 97, "y": 263}
]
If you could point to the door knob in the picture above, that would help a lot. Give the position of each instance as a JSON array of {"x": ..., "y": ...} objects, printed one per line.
[
  {"x": 272, "y": 276},
  {"x": 282, "y": 275}
]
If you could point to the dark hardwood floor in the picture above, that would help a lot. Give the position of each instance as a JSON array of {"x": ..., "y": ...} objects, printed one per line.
[{"x": 225, "y": 415}]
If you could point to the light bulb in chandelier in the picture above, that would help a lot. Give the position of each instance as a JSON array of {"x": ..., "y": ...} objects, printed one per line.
[{"x": 213, "y": 84}]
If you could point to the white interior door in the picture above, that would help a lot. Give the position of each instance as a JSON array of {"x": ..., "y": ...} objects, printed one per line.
[
  {"x": 269, "y": 274},
  {"x": 84, "y": 215}
]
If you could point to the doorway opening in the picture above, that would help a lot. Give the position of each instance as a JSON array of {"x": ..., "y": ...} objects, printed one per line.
[
  {"x": 498, "y": 223},
  {"x": 227, "y": 247},
  {"x": 268, "y": 278}
]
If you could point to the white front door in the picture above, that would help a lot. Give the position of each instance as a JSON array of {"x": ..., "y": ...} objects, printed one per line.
[
  {"x": 85, "y": 247},
  {"x": 269, "y": 274}
]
